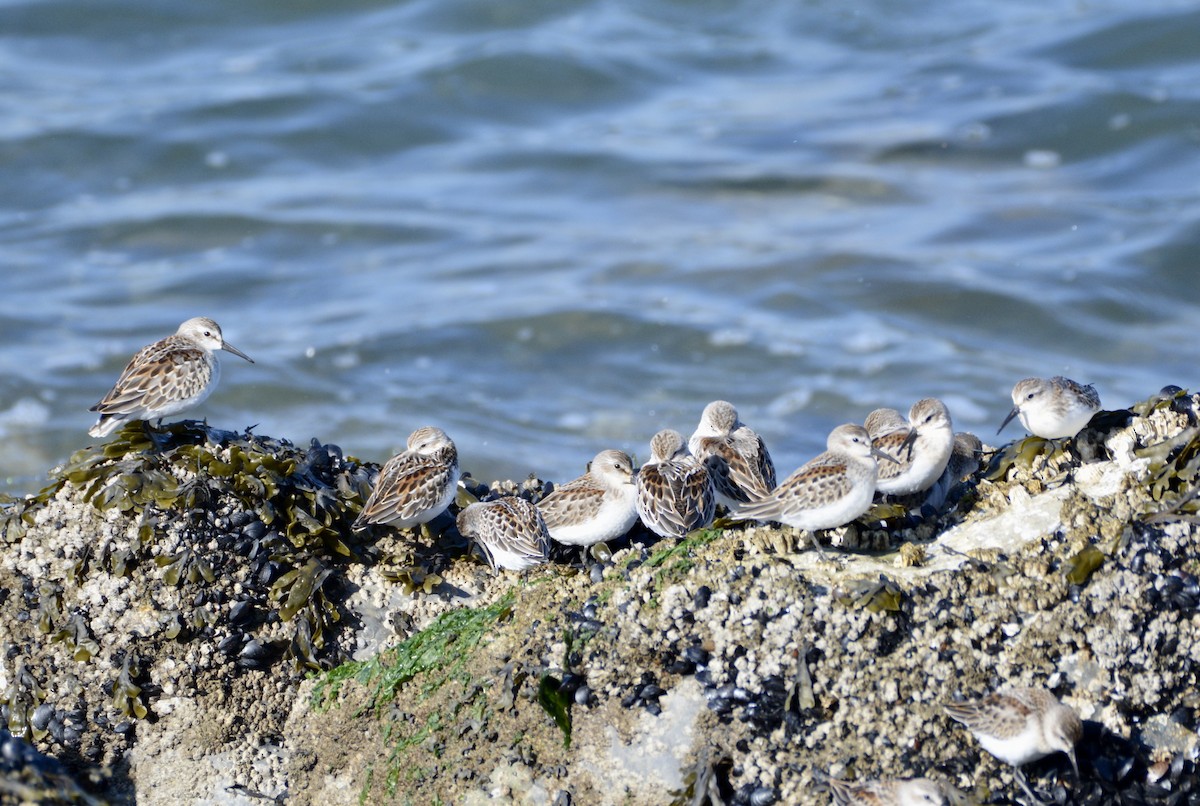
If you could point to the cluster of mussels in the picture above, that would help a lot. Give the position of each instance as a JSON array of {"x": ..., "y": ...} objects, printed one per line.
[
  {"x": 1114, "y": 769},
  {"x": 249, "y": 532},
  {"x": 244, "y": 532},
  {"x": 27, "y": 776}
]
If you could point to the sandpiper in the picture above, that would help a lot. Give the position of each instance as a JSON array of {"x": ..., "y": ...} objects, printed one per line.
[
  {"x": 166, "y": 377},
  {"x": 675, "y": 493},
  {"x": 888, "y": 792},
  {"x": 884, "y": 421},
  {"x": 1020, "y": 725},
  {"x": 510, "y": 530},
  {"x": 921, "y": 451},
  {"x": 416, "y": 485},
  {"x": 599, "y": 505},
  {"x": 830, "y": 490},
  {"x": 736, "y": 458},
  {"x": 1052, "y": 408}
]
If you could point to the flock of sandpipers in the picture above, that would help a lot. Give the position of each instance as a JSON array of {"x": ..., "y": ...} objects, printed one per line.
[{"x": 676, "y": 492}]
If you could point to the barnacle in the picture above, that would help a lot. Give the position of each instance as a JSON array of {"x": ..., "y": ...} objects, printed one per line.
[{"x": 911, "y": 555}]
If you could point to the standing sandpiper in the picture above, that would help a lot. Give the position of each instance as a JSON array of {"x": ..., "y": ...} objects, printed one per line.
[
  {"x": 675, "y": 494},
  {"x": 1052, "y": 408},
  {"x": 166, "y": 377},
  {"x": 888, "y": 792},
  {"x": 416, "y": 485},
  {"x": 599, "y": 505},
  {"x": 736, "y": 458},
  {"x": 921, "y": 450},
  {"x": 1020, "y": 725},
  {"x": 510, "y": 531},
  {"x": 830, "y": 490}
]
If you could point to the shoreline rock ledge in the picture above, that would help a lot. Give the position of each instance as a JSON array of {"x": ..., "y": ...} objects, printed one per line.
[{"x": 186, "y": 617}]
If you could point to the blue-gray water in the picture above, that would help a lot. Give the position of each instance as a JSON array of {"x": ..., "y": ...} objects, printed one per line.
[{"x": 555, "y": 227}]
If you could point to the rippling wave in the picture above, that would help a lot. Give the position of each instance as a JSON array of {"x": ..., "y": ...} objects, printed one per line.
[{"x": 552, "y": 228}]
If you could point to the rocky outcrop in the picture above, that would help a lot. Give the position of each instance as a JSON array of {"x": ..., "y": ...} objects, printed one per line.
[{"x": 188, "y": 618}]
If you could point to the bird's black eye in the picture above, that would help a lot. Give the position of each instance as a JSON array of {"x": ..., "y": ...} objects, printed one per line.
[
  {"x": 1031, "y": 396},
  {"x": 208, "y": 333}
]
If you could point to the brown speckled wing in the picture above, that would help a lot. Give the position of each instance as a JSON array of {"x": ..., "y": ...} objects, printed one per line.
[
  {"x": 753, "y": 470},
  {"x": 739, "y": 468},
  {"x": 850, "y": 793},
  {"x": 576, "y": 501},
  {"x": 511, "y": 524},
  {"x": 766, "y": 467},
  {"x": 675, "y": 498},
  {"x": 157, "y": 375},
  {"x": 408, "y": 485},
  {"x": 655, "y": 500},
  {"x": 714, "y": 454},
  {"x": 696, "y": 496},
  {"x": 526, "y": 532},
  {"x": 999, "y": 715},
  {"x": 822, "y": 481},
  {"x": 1087, "y": 393},
  {"x": 892, "y": 444}
]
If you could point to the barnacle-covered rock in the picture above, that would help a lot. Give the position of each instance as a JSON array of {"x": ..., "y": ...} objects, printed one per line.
[
  {"x": 148, "y": 553},
  {"x": 193, "y": 606}
]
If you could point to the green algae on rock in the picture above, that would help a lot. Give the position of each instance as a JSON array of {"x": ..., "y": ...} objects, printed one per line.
[
  {"x": 164, "y": 559},
  {"x": 437, "y": 655},
  {"x": 202, "y": 574}
]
